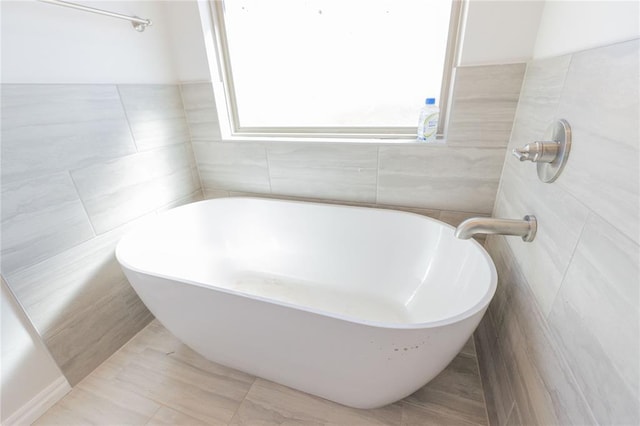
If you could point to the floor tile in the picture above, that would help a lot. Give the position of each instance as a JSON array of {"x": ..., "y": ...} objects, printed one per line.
[
  {"x": 156, "y": 380},
  {"x": 81, "y": 407},
  {"x": 269, "y": 403},
  {"x": 167, "y": 416}
]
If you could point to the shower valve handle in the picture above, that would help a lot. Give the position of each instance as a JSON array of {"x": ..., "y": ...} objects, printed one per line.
[{"x": 538, "y": 152}]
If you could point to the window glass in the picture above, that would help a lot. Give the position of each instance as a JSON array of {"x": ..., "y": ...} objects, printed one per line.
[{"x": 334, "y": 63}]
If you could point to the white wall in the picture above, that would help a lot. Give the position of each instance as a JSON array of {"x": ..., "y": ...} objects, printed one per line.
[
  {"x": 43, "y": 43},
  {"x": 27, "y": 366},
  {"x": 500, "y": 31},
  {"x": 570, "y": 26},
  {"x": 187, "y": 41}
]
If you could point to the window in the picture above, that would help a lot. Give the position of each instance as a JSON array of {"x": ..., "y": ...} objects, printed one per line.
[{"x": 341, "y": 68}]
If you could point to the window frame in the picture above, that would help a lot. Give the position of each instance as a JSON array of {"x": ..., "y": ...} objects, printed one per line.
[{"x": 213, "y": 25}]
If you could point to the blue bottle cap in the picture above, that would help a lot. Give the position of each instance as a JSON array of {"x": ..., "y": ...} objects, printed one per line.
[{"x": 430, "y": 101}]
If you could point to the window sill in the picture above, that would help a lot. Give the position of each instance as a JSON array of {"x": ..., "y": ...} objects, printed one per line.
[{"x": 311, "y": 139}]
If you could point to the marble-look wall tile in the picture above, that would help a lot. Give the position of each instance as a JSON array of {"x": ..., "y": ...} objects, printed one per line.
[
  {"x": 70, "y": 169},
  {"x": 522, "y": 193},
  {"x": 200, "y": 107},
  {"x": 198, "y": 96},
  {"x": 594, "y": 90},
  {"x": 194, "y": 197},
  {"x": 466, "y": 180},
  {"x": 538, "y": 104},
  {"x": 458, "y": 179},
  {"x": 41, "y": 217},
  {"x": 442, "y": 161},
  {"x": 85, "y": 308},
  {"x": 557, "y": 212},
  {"x": 331, "y": 171},
  {"x": 483, "y": 105},
  {"x": 435, "y": 214},
  {"x": 566, "y": 310},
  {"x": 99, "y": 329},
  {"x": 233, "y": 166},
  {"x": 455, "y": 218},
  {"x": 155, "y": 114},
  {"x": 497, "y": 389},
  {"x": 52, "y": 128},
  {"x": 437, "y": 193},
  {"x": 193, "y": 165},
  {"x": 450, "y": 217},
  {"x": 595, "y": 320},
  {"x": 221, "y": 193},
  {"x": 126, "y": 188},
  {"x": 73, "y": 278},
  {"x": 601, "y": 102},
  {"x": 508, "y": 272},
  {"x": 544, "y": 387},
  {"x": 57, "y": 103}
]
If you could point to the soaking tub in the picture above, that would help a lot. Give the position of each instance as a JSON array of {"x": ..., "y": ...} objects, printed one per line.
[{"x": 356, "y": 305}]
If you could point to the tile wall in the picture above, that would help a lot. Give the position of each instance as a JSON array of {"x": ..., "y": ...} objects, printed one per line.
[
  {"x": 459, "y": 178},
  {"x": 560, "y": 344},
  {"x": 80, "y": 164}
]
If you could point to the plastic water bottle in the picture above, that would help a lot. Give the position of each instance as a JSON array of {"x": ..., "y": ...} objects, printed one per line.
[{"x": 428, "y": 123}]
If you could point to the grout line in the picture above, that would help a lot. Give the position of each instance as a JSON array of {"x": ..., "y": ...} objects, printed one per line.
[
  {"x": 12, "y": 272},
  {"x": 452, "y": 417},
  {"x": 159, "y": 402},
  {"x": 193, "y": 151},
  {"x": 255, "y": 379},
  {"x": 573, "y": 377},
  {"x": 84, "y": 207},
  {"x": 377, "y": 173},
  {"x": 552, "y": 335},
  {"x": 513, "y": 406},
  {"x": 266, "y": 157},
  {"x": 484, "y": 395},
  {"x": 126, "y": 116},
  {"x": 154, "y": 413},
  {"x": 134, "y": 391},
  {"x": 566, "y": 269},
  {"x": 120, "y": 349},
  {"x": 564, "y": 85},
  {"x": 557, "y": 350}
]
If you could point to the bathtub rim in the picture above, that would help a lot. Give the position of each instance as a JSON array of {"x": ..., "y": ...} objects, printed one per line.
[{"x": 480, "y": 305}]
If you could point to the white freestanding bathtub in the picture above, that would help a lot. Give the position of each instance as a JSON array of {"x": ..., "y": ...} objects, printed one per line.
[{"x": 359, "y": 306}]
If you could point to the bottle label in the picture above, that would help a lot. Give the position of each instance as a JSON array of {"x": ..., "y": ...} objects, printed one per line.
[{"x": 430, "y": 126}]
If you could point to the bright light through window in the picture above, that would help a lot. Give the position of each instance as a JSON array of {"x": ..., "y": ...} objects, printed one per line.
[{"x": 335, "y": 63}]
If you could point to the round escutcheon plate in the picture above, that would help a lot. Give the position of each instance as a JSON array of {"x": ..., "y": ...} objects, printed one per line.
[{"x": 559, "y": 132}]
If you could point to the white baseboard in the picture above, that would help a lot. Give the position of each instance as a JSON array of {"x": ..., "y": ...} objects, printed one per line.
[{"x": 29, "y": 413}]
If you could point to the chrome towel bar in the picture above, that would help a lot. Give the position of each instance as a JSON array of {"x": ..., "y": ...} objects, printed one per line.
[{"x": 139, "y": 24}]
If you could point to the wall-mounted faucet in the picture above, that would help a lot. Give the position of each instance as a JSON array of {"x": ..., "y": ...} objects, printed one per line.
[{"x": 525, "y": 228}]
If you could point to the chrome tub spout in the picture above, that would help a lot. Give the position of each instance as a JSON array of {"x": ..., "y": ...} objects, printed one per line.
[{"x": 525, "y": 228}]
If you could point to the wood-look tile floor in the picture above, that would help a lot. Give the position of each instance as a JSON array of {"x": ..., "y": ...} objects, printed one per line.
[{"x": 156, "y": 380}]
